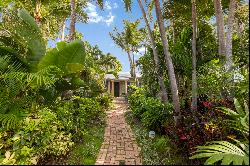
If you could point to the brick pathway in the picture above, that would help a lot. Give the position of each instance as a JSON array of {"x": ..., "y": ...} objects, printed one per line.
[{"x": 119, "y": 146}]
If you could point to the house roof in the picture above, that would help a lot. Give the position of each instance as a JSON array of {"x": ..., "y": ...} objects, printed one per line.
[{"x": 121, "y": 76}]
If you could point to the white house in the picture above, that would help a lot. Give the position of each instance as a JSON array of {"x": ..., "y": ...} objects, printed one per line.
[{"x": 118, "y": 87}]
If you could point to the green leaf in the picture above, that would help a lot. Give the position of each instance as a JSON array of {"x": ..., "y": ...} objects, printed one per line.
[
  {"x": 74, "y": 67},
  {"x": 213, "y": 159},
  {"x": 238, "y": 107},
  {"x": 65, "y": 56},
  {"x": 246, "y": 160},
  {"x": 228, "y": 111},
  {"x": 228, "y": 158}
]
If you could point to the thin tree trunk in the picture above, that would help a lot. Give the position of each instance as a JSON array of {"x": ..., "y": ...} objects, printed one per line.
[
  {"x": 220, "y": 27},
  {"x": 37, "y": 12},
  {"x": 133, "y": 68},
  {"x": 194, "y": 79},
  {"x": 63, "y": 29},
  {"x": 170, "y": 66},
  {"x": 173, "y": 24},
  {"x": 229, "y": 61},
  {"x": 163, "y": 91},
  {"x": 73, "y": 20},
  {"x": 131, "y": 65}
]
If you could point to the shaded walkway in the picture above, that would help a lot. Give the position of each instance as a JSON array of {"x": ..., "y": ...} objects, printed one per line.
[{"x": 119, "y": 146}]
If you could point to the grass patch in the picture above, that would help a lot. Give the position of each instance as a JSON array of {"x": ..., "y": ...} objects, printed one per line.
[
  {"x": 86, "y": 153},
  {"x": 157, "y": 151}
]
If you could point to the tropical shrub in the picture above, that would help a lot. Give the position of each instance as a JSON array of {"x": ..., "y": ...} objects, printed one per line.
[
  {"x": 40, "y": 134},
  {"x": 136, "y": 99},
  {"x": 224, "y": 151},
  {"x": 156, "y": 113},
  {"x": 105, "y": 100},
  {"x": 78, "y": 115},
  {"x": 162, "y": 144},
  {"x": 152, "y": 112}
]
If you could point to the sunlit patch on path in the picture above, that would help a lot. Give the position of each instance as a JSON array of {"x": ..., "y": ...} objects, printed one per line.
[{"x": 119, "y": 146}]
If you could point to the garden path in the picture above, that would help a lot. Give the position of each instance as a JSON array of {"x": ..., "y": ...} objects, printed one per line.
[{"x": 119, "y": 146}]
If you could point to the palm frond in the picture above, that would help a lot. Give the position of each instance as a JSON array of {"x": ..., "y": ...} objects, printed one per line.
[
  {"x": 127, "y": 4},
  {"x": 222, "y": 151}
]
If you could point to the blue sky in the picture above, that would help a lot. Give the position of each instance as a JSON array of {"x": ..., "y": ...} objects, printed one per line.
[{"x": 101, "y": 22}]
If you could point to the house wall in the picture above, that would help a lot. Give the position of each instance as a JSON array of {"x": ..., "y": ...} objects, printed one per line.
[{"x": 122, "y": 88}]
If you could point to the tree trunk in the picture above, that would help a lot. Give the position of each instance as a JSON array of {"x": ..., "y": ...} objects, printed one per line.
[
  {"x": 229, "y": 61},
  {"x": 133, "y": 68},
  {"x": 163, "y": 91},
  {"x": 194, "y": 79},
  {"x": 73, "y": 20},
  {"x": 131, "y": 65},
  {"x": 170, "y": 66},
  {"x": 63, "y": 29},
  {"x": 220, "y": 27},
  {"x": 37, "y": 12}
]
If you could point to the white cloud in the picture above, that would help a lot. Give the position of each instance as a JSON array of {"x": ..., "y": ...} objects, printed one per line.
[
  {"x": 92, "y": 13},
  {"x": 94, "y": 17},
  {"x": 141, "y": 51},
  {"x": 107, "y": 5},
  {"x": 109, "y": 19},
  {"x": 115, "y": 5}
]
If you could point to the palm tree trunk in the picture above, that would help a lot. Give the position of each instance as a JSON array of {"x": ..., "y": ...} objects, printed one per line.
[
  {"x": 194, "y": 79},
  {"x": 37, "y": 12},
  {"x": 73, "y": 20},
  {"x": 229, "y": 61},
  {"x": 63, "y": 29},
  {"x": 163, "y": 91},
  {"x": 220, "y": 27},
  {"x": 170, "y": 66}
]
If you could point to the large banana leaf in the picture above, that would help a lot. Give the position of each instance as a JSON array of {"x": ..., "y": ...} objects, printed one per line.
[
  {"x": 29, "y": 30},
  {"x": 21, "y": 39},
  {"x": 69, "y": 57}
]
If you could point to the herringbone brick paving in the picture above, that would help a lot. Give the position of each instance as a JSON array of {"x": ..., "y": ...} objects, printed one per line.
[{"x": 119, "y": 146}]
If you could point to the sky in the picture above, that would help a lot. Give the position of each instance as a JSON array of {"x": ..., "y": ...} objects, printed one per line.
[{"x": 101, "y": 22}]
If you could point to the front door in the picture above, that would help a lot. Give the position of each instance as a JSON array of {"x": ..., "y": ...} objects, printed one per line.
[{"x": 117, "y": 89}]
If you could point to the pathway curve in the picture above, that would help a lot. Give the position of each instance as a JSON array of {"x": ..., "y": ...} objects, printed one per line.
[{"x": 119, "y": 146}]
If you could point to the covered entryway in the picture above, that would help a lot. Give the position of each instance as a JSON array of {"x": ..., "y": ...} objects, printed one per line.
[{"x": 117, "y": 89}]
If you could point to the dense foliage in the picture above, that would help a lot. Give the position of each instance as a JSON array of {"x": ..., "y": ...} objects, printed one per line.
[
  {"x": 50, "y": 97},
  {"x": 193, "y": 87}
]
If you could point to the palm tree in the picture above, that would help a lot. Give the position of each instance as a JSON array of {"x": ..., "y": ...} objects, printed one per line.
[
  {"x": 220, "y": 27},
  {"x": 229, "y": 62},
  {"x": 194, "y": 79},
  {"x": 170, "y": 66},
  {"x": 73, "y": 4},
  {"x": 72, "y": 20},
  {"x": 37, "y": 12},
  {"x": 129, "y": 40},
  {"x": 156, "y": 56}
]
